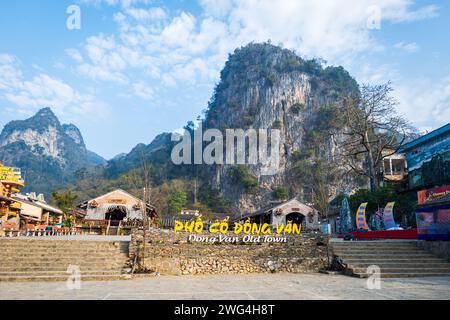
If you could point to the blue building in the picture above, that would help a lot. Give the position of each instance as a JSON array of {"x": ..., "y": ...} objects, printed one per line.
[{"x": 428, "y": 159}]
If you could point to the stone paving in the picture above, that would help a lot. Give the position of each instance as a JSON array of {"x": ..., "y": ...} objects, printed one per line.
[{"x": 230, "y": 287}]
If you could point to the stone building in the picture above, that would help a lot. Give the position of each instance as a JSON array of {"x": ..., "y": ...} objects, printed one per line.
[
  {"x": 282, "y": 213},
  {"x": 116, "y": 206}
]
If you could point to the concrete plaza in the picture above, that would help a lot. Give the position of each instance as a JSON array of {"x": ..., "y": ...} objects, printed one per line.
[{"x": 229, "y": 287}]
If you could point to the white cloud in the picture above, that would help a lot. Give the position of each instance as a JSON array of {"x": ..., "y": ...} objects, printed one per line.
[
  {"x": 216, "y": 8},
  {"x": 123, "y": 3},
  {"x": 75, "y": 55},
  {"x": 425, "y": 102},
  {"x": 155, "y": 49},
  {"x": 407, "y": 47},
  {"x": 143, "y": 91},
  {"x": 41, "y": 90},
  {"x": 10, "y": 75},
  {"x": 184, "y": 46},
  {"x": 400, "y": 13},
  {"x": 151, "y": 14}
]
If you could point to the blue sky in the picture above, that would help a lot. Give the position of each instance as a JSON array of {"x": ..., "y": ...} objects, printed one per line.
[{"x": 137, "y": 68}]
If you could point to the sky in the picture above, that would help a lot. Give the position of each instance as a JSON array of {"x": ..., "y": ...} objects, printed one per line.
[{"x": 132, "y": 69}]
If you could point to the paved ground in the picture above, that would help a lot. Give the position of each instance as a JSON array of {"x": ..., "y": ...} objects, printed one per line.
[{"x": 229, "y": 287}]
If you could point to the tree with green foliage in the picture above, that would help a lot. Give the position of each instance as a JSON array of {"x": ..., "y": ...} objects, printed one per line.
[
  {"x": 177, "y": 201},
  {"x": 405, "y": 203},
  {"x": 212, "y": 198},
  {"x": 297, "y": 108},
  {"x": 242, "y": 176},
  {"x": 280, "y": 193},
  {"x": 277, "y": 124},
  {"x": 66, "y": 202}
]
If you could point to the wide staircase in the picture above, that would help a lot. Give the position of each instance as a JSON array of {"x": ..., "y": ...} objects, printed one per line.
[
  {"x": 395, "y": 258},
  {"x": 50, "y": 260}
]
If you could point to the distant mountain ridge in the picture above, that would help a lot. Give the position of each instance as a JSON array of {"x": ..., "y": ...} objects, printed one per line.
[{"x": 47, "y": 151}]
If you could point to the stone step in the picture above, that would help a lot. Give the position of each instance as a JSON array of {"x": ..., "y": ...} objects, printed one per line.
[
  {"x": 47, "y": 260},
  {"x": 61, "y": 272},
  {"x": 386, "y": 256},
  {"x": 404, "y": 275},
  {"x": 62, "y": 268},
  {"x": 93, "y": 248},
  {"x": 374, "y": 247},
  {"x": 46, "y": 264},
  {"x": 19, "y": 255},
  {"x": 60, "y": 260},
  {"x": 374, "y": 242},
  {"x": 394, "y": 260},
  {"x": 356, "y": 251},
  {"x": 403, "y": 265},
  {"x": 61, "y": 265},
  {"x": 445, "y": 270},
  {"x": 54, "y": 278},
  {"x": 58, "y": 257},
  {"x": 61, "y": 253},
  {"x": 43, "y": 243}
]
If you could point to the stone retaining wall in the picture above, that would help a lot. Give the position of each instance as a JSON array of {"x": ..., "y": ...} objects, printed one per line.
[{"x": 171, "y": 253}]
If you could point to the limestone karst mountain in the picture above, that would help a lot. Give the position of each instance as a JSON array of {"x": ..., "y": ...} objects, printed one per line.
[
  {"x": 47, "y": 151},
  {"x": 263, "y": 87}
]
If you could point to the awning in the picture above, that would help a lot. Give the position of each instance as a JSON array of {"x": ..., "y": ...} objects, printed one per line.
[
  {"x": 48, "y": 208},
  {"x": 29, "y": 217}
]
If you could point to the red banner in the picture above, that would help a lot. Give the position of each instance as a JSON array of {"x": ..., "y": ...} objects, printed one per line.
[{"x": 427, "y": 196}]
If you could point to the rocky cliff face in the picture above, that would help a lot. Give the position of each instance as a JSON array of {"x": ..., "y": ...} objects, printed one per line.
[
  {"x": 47, "y": 151},
  {"x": 263, "y": 86}
]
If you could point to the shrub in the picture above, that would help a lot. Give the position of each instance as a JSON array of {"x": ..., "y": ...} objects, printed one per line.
[
  {"x": 280, "y": 193},
  {"x": 276, "y": 124},
  {"x": 272, "y": 79},
  {"x": 297, "y": 108},
  {"x": 240, "y": 175},
  {"x": 299, "y": 155}
]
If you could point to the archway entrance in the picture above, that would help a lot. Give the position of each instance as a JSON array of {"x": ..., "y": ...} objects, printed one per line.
[
  {"x": 115, "y": 215},
  {"x": 295, "y": 217}
]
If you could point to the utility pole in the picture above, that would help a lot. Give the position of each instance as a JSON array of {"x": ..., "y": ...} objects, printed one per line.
[
  {"x": 195, "y": 190},
  {"x": 144, "y": 221}
]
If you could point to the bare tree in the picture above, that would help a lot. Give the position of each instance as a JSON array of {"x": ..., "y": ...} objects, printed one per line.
[
  {"x": 140, "y": 177},
  {"x": 373, "y": 130},
  {"x": 321, "y": 190}
]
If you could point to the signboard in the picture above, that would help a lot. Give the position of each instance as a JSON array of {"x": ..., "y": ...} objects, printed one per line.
[
  {"x": 117, "y": 201},
  {"x": 388, "y": 216},
  {"x": 361, "y": 222},
  {"x": 433, "y": 223},
  {"x": 427, "y": 196},
  {"x": 10, "y": 174}
]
